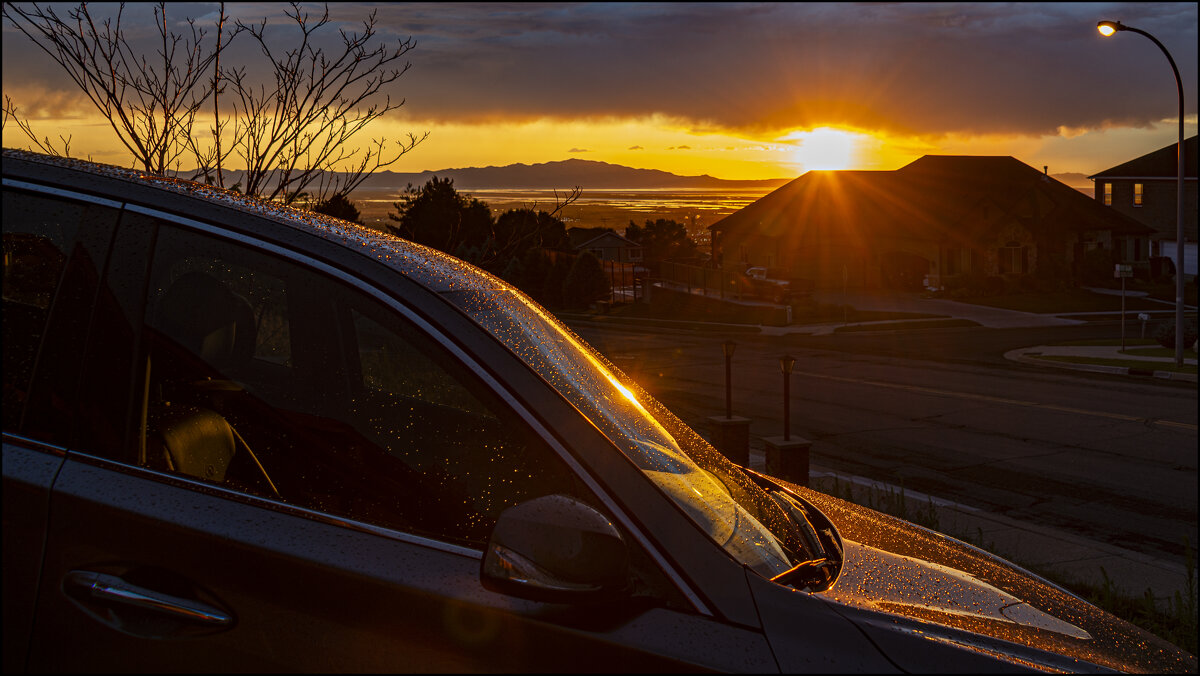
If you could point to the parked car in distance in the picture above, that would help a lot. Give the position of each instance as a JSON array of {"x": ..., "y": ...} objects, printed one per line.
[
  {"x": 239, "y": 436},
  {"x": 755, "y": 282}
]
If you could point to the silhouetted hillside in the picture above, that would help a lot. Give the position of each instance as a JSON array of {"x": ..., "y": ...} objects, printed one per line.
[{"x": 565, "y": 174}]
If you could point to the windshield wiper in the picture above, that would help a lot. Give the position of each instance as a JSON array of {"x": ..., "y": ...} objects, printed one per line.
[
  {"x": 799, "y": 519},
  {"x": 809, "y": 575}
]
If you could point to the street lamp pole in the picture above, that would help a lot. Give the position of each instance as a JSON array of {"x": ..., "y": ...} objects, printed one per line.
[
  {"x": 1108, "y": 28},
  {"x": 785, "y": 366},
  {"x": 728, "y": 348}
]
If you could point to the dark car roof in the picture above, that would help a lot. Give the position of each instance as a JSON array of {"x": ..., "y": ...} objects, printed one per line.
[{"x": 429, "y": 267}]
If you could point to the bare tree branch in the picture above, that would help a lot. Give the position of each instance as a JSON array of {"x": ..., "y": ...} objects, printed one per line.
[
  {"x": 565, "y": 200},
  {"x": 295, "y": 135},
  {"x": 150, "y": 106},
  {"x": 45, "y": 144},
  {"x": 294, "y": 131}
]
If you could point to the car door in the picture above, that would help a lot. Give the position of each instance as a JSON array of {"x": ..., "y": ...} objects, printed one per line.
[
  {"x": 278, "y": 470},
  {"x": 54, "y": 245}
]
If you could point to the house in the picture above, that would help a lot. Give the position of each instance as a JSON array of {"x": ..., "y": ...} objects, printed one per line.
[
  {"x": 1144, "y": 189},
  {"x": 936, "y": 219},
  {"x": 605, "y": 244}
]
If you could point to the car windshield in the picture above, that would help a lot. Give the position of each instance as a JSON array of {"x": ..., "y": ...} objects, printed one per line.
[{"x": 710, "y": 490}]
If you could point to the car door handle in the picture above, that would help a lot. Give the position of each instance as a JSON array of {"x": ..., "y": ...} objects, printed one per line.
[{"x": 109, "y": 590}]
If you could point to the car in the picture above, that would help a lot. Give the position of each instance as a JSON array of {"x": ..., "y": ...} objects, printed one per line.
[
  {"x": 756, "y": 283},
  {"x": 240, "y": 436}
]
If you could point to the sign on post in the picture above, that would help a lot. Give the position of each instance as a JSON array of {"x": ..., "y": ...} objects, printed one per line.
[{"x": 1123, "y": 270}]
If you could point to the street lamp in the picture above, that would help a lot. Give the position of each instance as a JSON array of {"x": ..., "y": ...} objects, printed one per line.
[
  {"x": 1108, "y": 28},
  {"x": 786, "y": 362},
  {"x": 728, "y": 348}
]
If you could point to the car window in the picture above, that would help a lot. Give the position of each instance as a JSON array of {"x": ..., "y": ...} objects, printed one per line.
[
  {"x": 264, "y": 376},
  {"x": 45, "y": 238}
]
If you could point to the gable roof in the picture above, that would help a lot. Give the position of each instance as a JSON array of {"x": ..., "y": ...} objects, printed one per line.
[
  {"x": 614, "y": 240},
  {"x": 940, "y": 197},
  {"x": 1162, "y": 163},
  {"x": 580, "y": 237}
]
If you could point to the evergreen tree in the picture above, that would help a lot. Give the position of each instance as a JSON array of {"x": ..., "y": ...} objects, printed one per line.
[
  {"x": 552, "y": 287},
  {"x": 437, "y": 215},
  {"x": 662, "y": 239},
  {"x": 535, "y": 267},
  {"x": 586, "y": 283},
  {"x": 339, "y": 206}
]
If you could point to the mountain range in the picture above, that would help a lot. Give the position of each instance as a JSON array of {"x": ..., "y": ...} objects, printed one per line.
[
  {"x": 563, "y": 174},
  {"x": 588, "y": 174}
]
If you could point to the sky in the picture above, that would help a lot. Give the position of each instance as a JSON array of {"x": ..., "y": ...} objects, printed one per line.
[{"x": 732, "y": 90}]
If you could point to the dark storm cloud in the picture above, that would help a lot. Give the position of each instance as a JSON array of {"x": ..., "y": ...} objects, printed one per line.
[
  {"x": 757, "y": 68},
  {"x": 904, "y": 67}
]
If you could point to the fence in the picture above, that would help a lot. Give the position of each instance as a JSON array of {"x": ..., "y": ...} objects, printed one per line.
[
  {"x": 626, "y": 281},
  {"x": 711, "y": 281}
]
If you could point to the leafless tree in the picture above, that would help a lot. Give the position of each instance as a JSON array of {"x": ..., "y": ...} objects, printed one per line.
[
  {"x": 563, "y": 202},
  {"x": 43, "y": 144},
  {"x": 151, "y": 103},
  {"x": 292, "y": 135}
]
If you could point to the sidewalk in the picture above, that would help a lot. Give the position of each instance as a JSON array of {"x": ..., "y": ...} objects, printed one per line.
[{"x": 1031, "y": 356}]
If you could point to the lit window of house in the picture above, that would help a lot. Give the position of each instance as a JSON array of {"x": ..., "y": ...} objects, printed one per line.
[
  {"x": 1108, "y": 194},
  {"x": 1137, "y": 194}
]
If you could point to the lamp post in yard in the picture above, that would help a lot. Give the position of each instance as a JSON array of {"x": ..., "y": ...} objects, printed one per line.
[
  {"x": 730, "y": 435},
  {"x": 728, "y": 348},
  {"x": 1106, "y": 29},
  {"x": 787, "y": 456},
  {"x": 785, "y": 365}
]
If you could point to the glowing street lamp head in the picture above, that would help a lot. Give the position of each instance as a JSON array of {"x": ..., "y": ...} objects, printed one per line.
[{"x": 1107, "y": 28}]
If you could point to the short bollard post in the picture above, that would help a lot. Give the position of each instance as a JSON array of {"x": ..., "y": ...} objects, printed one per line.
[
  {"x": 788, "y": 459},
  {"x": 731, "y": 436}
]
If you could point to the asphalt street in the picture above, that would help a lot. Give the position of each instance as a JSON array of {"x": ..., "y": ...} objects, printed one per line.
[{"x": 941, "y": 412}]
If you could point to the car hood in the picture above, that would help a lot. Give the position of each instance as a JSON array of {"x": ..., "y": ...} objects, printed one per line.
[{"x": 900, "y": 581}]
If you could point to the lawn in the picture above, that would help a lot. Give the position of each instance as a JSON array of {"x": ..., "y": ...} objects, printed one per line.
[
  {"x": 1160, "y": 290},
  {"x": 1067, "y": 300}
]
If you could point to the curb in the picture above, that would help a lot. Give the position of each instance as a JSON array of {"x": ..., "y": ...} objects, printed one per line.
[{"x": 1019, "y": 355}]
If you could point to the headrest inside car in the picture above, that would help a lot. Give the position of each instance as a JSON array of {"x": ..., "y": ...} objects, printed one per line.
[{"x": 204, "y": 316}]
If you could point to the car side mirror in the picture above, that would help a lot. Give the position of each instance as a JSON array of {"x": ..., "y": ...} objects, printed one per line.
[{"x": 556, "y": 549}]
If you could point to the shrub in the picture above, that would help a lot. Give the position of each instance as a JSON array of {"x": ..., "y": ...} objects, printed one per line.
[{"x": 1165, "y": 335}]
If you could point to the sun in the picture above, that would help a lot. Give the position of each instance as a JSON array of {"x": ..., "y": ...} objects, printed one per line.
[{"x": 823, "y": 148}]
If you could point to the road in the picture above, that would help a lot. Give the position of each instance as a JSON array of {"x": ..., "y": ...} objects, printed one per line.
[{"x": 941, "y": 412}]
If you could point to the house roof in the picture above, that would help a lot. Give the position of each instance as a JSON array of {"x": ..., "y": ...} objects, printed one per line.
[
  {"x": 1162, "y": 163},
  {"x": 589, "y": 237},
  {"x": 940, "y": 197}
]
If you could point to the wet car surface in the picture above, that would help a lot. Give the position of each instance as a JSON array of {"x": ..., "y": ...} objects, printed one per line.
[{"x": 241, "y": 436}]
